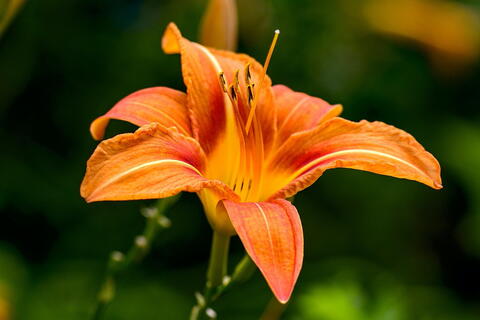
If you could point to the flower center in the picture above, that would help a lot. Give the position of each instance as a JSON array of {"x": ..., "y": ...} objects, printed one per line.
[{"x": 238, "y": 159}]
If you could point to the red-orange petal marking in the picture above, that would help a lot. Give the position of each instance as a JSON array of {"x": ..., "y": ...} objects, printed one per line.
[
  {"x": 205, "y": 97},
  {"x": 370, "y": 146},
  {"x": 272, "y": 235},
  {"x": 298, "y": 111},
  {"x": 154, "y": 162},
  {"x": 159, "y": 104},
  {"x": 200, "y": 68},
  {"x": 265, "y": 112}
]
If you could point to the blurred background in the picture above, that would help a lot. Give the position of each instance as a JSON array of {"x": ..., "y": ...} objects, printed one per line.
[{"x": 375, "y": 247}]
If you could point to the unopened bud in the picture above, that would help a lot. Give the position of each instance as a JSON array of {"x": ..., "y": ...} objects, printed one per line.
[{"x": 219, "y": 26}]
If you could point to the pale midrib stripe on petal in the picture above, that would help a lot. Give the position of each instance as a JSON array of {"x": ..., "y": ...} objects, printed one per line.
[
  {"x": 269, "y": 235},
  {"x": 143, "y": 165},
  {"x": 350, "y": 151}
]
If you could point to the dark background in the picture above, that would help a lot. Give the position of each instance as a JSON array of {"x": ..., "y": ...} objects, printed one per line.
[{"x": 375, "y": 247}]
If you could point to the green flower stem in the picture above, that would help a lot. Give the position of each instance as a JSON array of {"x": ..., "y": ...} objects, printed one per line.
[
  {"x": 217, "y": 267},
  {"x": 274, "y": 310},
  {"x": 119, "y": 262},
  {"x": 242, "y": 272}
]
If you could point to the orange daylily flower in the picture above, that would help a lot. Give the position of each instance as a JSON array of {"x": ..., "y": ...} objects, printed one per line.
[{"x": 198, "y": 142}]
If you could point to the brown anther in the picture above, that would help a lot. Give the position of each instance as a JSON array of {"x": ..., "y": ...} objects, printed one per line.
[
  {"x": 248, "y": 75},
  {"x": 232, "y": 92},
  {"x": 251, "y": 94},
  {"x": 223, "y": 81}
]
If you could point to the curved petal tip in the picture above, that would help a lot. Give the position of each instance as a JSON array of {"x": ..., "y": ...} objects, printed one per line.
[
  {"x": 272, "y": 235},
  {"x": 170, "y": 39}
]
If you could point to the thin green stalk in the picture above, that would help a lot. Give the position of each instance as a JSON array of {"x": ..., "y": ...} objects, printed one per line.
[
  {"x": 216, "y": 273},
  {"x": 242, "y": 272},
  {"x": 274, "y": 310},
  {"x": 217, "y": 267},
  {"x": 119, "y": 262}
]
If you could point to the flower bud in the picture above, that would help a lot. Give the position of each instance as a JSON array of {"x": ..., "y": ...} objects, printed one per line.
[{"x": 219, "y": 27}]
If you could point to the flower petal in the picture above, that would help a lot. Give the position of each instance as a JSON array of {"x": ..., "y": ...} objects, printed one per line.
[
  {"x": 153, "y": 162},
  {"x": 272, "y": 235},
  {"x": 163, "y": 105},
  {"x": 205, "y": 96},
  {"x": 298, "y": 111},
  {"x": 209, "y": 107},
  {"x": 370, "y": 146}
]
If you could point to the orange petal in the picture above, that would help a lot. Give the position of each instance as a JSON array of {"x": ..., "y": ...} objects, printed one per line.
[
  {"x": 272, "y": 235},
  {"x": 163, "y": 105},
  {"x": 298, "y": 111},
  {"x": 219, "y": 25},
  {"x": 205, "y": 97},
  {"x": 369, "y": 146},
  {"x": 209, "y": 108},
  {"x": 153, "y": 162}
]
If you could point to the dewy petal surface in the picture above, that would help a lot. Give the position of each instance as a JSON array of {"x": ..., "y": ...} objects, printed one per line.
[
  {"x": 299, "y": 112},
  {"x": 272, "y": 235},
  {"x": 153, "y": 162},
  {"x": 159, "y": 104},
  {"x": 370, "y": 146}
]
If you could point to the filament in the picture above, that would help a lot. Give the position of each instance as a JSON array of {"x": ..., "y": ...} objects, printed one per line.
[{"x": 265, "y": 68}]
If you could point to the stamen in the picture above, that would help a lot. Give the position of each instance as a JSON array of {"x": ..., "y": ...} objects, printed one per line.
[
  {"x": 248, "y": 75},
  {"x": 223, "y": 81},
  {"x": 265, "y": 68},
  {"x": 251, "y": 95},
  {"x": 232, "y": 93}
]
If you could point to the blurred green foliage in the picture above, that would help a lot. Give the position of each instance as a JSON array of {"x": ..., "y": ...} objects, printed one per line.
[{"x": 375, "y": 247}]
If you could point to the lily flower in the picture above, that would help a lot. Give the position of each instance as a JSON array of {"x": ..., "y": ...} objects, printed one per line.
[{"x": 243, "y": 146}]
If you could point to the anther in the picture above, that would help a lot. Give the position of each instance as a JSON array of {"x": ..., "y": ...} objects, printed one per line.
[
  {"x": 251, "y": 95},
  {"x": 223, "y": 81},
  {"x": 232, "y": 92},
  {"x": 248, "y": 75}
]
